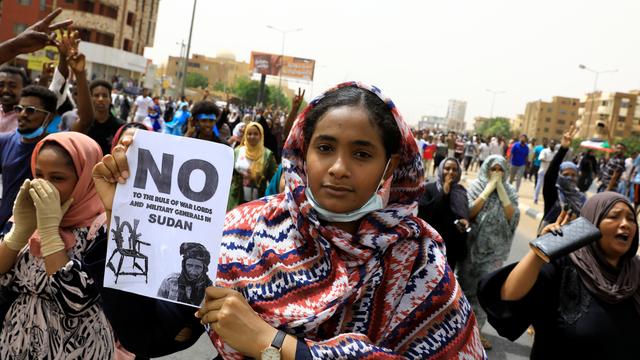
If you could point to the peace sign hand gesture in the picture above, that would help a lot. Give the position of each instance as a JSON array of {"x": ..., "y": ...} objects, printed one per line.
[
  {"x": 568, "y": 136},
  {"x": 297, "y": 100},
  {"x": 40, "y": 34}
]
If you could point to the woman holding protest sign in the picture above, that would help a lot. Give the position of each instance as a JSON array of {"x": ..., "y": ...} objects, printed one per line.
[
  {"x": 57, "y": 221},
  {"x": 254, "y": 165},
  {"x": 338, "y": 265}
]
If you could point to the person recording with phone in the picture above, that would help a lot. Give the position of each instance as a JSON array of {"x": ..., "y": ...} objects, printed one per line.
[{"x": 444, "y": 206}]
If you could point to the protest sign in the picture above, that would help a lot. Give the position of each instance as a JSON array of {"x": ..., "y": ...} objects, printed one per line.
[{"x": 167, "y": 219}]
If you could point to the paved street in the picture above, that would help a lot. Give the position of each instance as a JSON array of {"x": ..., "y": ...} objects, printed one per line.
[{"x": 502, "y": 349}]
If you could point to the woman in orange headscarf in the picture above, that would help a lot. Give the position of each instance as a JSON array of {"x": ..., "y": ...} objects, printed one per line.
[
  {"x": 57, "y": 218},
  {"x": 254, "y": 166}
]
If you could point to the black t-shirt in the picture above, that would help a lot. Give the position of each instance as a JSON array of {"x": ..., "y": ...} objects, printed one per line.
[{"x": 103, "y": 133}]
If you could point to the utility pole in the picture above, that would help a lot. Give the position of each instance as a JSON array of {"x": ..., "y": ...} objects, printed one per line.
[{"x": 186, "y": 57}]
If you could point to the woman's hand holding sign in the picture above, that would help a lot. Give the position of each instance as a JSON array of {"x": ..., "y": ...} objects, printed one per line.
[
  {"x": 232, "y": 318},
  {"x": 113, "y": 169}
]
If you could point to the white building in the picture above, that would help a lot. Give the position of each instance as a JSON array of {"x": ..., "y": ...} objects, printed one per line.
[{"x": 455, "y": 115}]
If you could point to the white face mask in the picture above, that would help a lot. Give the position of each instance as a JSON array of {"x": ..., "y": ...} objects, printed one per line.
[{"x": 377, "y": 201}]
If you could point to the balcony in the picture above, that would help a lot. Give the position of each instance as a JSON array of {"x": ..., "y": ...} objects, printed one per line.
[
  {"x": 622, "y": 112},
  {"x": 604, "y": 110}
]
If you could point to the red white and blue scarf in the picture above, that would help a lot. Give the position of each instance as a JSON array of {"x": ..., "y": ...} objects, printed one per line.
[{"x": 383, "y": 293}]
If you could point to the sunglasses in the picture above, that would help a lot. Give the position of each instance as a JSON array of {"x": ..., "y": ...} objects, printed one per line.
[{"x": 30, "y": 110}]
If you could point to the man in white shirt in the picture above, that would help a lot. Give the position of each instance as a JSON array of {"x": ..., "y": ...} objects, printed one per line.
[
  {"x": 141, "y": 106},
  {"x": 545, "y": 157},
  {"x": 483, "y": 152}
]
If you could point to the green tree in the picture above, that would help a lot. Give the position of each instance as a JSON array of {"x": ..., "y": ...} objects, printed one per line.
[
  {"x": 278, "y": 98},
  {"x": 498, "y": 126},
  {"x": 247, "y": 90},
  {"x": 219, "y": 86},
  {"x": 195, "y": 80}
]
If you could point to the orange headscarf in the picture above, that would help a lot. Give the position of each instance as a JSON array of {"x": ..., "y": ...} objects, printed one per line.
[{"x": 86, "y": 205}]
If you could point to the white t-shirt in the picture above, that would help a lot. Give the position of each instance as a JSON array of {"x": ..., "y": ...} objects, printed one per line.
[
  {"x": 142, "y": 105},
  {"x": 484, "y": 151},
  {"x": 545, "y": 157},
  {"x": 628, "y": 167}
]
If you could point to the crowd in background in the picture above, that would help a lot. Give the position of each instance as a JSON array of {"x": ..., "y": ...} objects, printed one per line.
[{"x": 347, "y": 235}]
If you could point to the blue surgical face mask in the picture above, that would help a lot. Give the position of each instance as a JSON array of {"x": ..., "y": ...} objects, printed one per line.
[
  {"x": 376, "y": 202},
  {"x": 32, "y": 134}
]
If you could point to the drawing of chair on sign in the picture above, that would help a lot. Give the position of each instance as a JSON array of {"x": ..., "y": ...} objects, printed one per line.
[{"x": 131, "y": 251}]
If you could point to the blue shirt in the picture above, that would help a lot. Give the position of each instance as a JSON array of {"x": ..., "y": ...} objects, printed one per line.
[
  {"x": 519, "y": 154},
  {"x": 15, "y": 166},
  {"x": 536, "y": 154}
]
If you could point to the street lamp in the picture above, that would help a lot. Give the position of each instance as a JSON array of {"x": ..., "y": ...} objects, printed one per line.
[
  {"x": 284, "y": 34},
  {"x": 595, "y": 87},
  {"x": 493, "y": 99}
]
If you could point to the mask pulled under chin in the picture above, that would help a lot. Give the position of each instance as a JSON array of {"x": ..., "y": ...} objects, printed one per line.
[
  {"x": 32, "y": 134},
  {"x": 377, "y": 201}
]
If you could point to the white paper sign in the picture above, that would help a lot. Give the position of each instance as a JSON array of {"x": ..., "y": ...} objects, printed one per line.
[{"x": 167, "y": 219}]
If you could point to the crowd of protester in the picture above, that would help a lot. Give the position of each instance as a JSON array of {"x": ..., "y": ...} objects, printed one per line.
[{"x": 347, "y": 234}]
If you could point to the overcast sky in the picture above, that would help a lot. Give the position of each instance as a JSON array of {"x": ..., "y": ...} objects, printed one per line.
[{"x": 422, "y": 53}]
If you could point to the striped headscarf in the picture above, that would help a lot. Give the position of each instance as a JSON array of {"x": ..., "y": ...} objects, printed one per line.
[{"x": 385, "y": 292}]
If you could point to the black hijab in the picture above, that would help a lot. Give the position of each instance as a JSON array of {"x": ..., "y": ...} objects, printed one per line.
[{"x": 611, "y": 285}]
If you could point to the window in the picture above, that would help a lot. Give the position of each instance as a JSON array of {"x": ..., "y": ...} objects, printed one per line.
[
  {"x": 87, "y": 6},
  {"x": 85, "y": 34},
  {"x": 548, "y": 109},
  {"x": 108, "y": 11},
  {"x": 104, "y": 38},
  {"x": 19, "y": 28},
  {"x": 546, "y": 130},
  {"x": 43, "y": 5},
  {"x": 131, "y": 18},
  {"x": 573, "y": 103},
  {"x": 605, "y": 103},
  {"x": 563, "y": 111},
  {"x": 128, "y": 45},
  {"x": 69, "y": 1},
  {"x": 561, "y": 122},
  {"x": 621, "y": 119},
  {"x": 548, "y": 119},
  {"x": 559, "y": 132},
  {"x": 24, "y": 2},
  {"x": 193, "y": 64}
]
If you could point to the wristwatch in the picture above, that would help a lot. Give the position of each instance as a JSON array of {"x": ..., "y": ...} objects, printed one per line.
[{"x": 273, "y": 351}]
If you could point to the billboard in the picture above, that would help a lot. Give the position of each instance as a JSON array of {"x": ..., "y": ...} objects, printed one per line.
[
  {"x": 36, "y": 59},
  {"x": 285, "y": 66}
]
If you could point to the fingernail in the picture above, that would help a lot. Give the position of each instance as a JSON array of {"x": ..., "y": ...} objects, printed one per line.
[
  {"x": 196, "y": 315},
  {"x": 125, "y": 174},
  {"x": 120, "y": 180}
]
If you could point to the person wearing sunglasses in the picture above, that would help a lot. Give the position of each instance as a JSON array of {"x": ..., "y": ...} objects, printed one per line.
[{"x": 35, "y": 111}]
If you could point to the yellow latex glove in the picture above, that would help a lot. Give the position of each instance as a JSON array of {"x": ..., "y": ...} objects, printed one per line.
[
  {"x": 24, "y": 219},
  {"x": 502, "y": 194},
  {"x": 49, "y": 214}
]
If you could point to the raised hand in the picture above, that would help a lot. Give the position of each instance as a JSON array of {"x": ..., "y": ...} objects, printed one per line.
[
  {"x": 77, "y": 62},
  {"x": 24, "y": 219},
  {"x": 568, "y": 136},
  {"x": 297, "y": 100},
  {"x": 40, "y": 34},
  {"x": 114, "y": 168}
]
